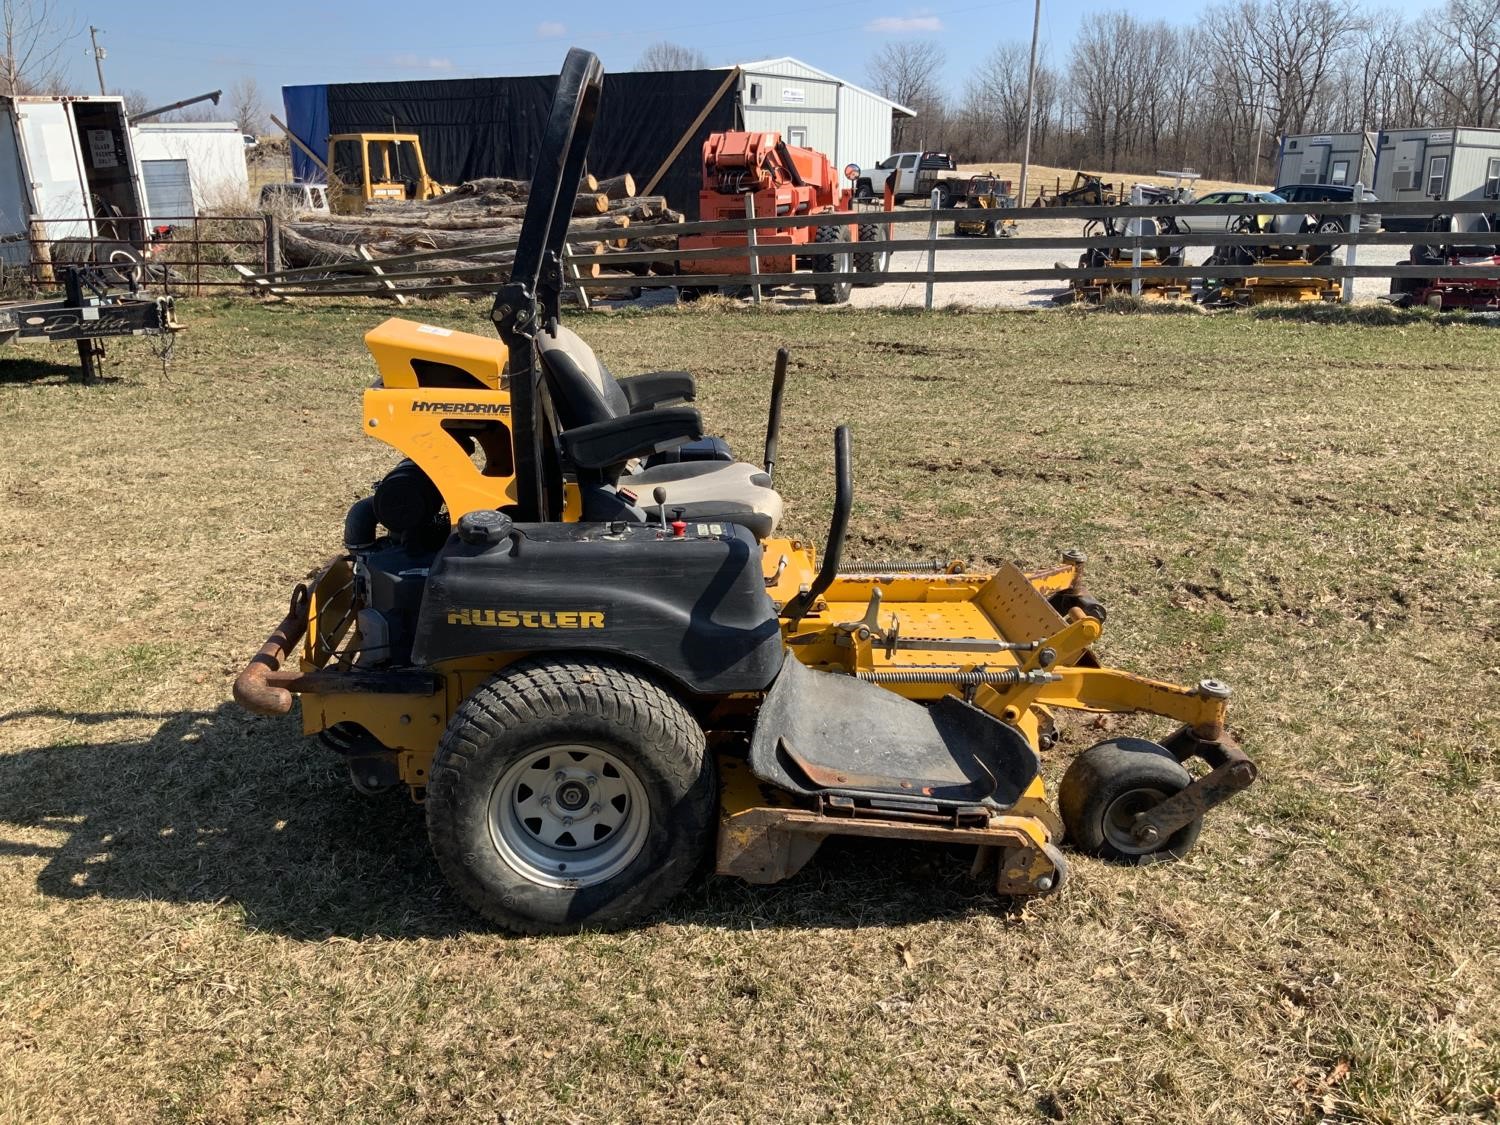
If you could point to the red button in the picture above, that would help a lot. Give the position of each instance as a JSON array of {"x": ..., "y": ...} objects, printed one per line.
[{"x": 679, "y": 529}]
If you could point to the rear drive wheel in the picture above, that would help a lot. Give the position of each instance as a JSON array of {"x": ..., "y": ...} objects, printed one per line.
[
  {"x": 1111, "y": 783},
  {"x": 873, "y": 259},
  {"x": 570, "y": 793},
  {"x": 835, "y": 292}
]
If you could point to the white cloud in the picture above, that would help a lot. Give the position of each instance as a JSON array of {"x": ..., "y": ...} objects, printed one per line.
[
  {"x": 421, "y": 62},
  {"x": 551, "y": 29},
  {"x": 904, "y": 25}
]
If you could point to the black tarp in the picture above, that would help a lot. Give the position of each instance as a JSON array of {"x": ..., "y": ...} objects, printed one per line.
[{"x": 475, "y": 127}]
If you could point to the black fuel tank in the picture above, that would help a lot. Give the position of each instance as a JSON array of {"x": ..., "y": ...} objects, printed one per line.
[{"x": 693, "y": 607}]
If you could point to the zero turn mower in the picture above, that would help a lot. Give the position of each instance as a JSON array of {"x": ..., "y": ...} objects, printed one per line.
[
  {"x": 1115, "y": 263},
  {"x": 566, "y": 623},
  {"x": 1479, "y": 248},
  {"x": 1258, "y": 290}
]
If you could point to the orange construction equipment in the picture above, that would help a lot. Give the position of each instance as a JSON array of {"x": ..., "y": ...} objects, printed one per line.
[{"x": 784, "y": 180}]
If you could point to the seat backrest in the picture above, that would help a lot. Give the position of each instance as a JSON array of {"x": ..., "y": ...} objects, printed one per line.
[
  {"x": 1287, "y": 224},
  {"x": 1469, "y": 224},
  {"x": 583, "y": 389},
  {"x": 1140, "y": 228}
]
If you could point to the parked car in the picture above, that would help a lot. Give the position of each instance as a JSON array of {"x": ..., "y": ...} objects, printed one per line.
[
  {"x": 1332, "y": 193},
  {"x": 1232, "y": 195}
]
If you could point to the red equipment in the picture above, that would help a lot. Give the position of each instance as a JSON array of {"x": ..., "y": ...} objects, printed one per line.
[
  {"x": 784, "y": 181},
  {"x": 1439, "y": 292}
]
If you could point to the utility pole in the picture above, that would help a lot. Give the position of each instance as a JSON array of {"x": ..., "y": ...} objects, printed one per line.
[
  {"x": 98, "y": 57},
  {"x": 1036, "y": 25}
]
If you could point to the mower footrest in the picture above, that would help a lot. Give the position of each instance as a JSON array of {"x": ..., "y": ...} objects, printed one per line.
[{"x": 824, "y": 733}]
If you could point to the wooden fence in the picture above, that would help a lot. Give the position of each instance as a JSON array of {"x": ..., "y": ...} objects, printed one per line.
[{"x": 404, "y": 274}]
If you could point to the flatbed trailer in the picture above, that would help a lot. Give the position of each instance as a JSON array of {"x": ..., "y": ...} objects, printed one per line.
[{"x": 87, "y": 313}]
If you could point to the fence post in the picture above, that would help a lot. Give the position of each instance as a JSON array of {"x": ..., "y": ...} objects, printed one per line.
[
  {"x": 1354, "y": 228},
  {"x": 41, "y": 254},
  {"x": 1137, "y": 198},
  {"x": 932, "y": 246},
  {"x": 273, "y": 241},
  {"x": 752, "y": 243}
]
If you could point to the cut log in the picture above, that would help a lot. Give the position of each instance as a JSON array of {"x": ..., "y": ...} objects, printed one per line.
[
  {"x": 616, "y": 187},
  {"x": 590, "y": 203}
]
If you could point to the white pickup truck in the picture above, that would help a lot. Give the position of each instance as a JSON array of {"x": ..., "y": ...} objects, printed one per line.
[{"x": 914, "y": 175}]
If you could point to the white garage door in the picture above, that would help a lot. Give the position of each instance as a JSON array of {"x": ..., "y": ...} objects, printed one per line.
[{"x": 169, "y": 188}]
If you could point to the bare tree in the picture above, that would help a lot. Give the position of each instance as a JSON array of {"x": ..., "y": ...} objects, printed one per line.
[
  {"x": 909, "y": 72},
  {"x": 136, "y": 101},
  {"x": 1467, "y": 70},
  {"x": 34, "y": 34},
  {"x": 671, "y": 56},
  {"x": 247, "y": 105}
]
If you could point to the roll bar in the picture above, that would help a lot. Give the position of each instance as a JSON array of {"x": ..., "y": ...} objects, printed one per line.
[{"x": 530, "y": 301}]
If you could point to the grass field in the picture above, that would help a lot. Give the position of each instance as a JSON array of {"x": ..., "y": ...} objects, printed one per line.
[{"x": 203, "y": 922}]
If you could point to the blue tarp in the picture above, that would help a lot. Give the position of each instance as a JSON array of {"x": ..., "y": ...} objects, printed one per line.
[{"x": 307, "y": 117}]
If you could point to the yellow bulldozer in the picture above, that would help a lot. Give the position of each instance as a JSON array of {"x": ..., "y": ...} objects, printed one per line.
[{"x": 377, "y": 167}]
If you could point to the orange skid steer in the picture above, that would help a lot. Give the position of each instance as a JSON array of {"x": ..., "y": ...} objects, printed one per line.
[{"x": 783, "y": 180}]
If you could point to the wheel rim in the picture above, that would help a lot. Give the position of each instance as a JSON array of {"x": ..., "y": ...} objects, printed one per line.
[
  {"x": 1119, "y": 820},
  {"x": 569, "y": 816}
]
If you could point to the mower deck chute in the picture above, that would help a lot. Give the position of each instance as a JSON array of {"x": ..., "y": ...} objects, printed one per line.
[{"x": 566, "y": 623}]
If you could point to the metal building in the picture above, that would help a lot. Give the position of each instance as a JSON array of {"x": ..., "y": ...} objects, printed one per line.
[
  {"x": 1442, "y": 164},
  {"x": 1327, "y": 158},
  {"x": 192, "y": 167},
  {"x": 814, "y": 109}
]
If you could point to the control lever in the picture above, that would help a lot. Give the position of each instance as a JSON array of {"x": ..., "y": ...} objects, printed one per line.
[
  {"x": 773, "y": 423},
  {"x": 843, "y": 502},
  {"x": 659, "y": 494}
]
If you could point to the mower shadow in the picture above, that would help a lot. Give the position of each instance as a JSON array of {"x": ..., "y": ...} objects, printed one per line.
[{"x": 219, "y": 807}]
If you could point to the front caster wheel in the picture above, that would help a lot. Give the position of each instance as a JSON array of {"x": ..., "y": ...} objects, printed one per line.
[
  {"x": 1108, "y": 786},
  {"x": 570, "y": 794}
]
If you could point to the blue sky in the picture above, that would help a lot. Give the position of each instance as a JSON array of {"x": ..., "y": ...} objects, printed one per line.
[{"x": 174, "y": 48}]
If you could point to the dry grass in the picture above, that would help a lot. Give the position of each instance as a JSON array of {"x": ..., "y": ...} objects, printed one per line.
[
  {"x": 204, "y": 922},
  {"x": 1050, "y": 176}
]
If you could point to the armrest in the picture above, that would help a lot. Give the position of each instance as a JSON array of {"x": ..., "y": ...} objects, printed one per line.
[
  {"x": 657, "y": 388},
  {"x": 616, "y": 440}
]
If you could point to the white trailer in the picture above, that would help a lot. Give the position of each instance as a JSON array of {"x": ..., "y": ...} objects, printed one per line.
[
  {"x": 1441, "y": 164},
  {"x": 68, "y": 171},
  {"x": 1327, "y": 158},
  {"x": 191, "y": 168}
]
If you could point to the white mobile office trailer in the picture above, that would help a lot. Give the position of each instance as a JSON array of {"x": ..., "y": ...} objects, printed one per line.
[
  {"x": 68, "y": 170},
  {"x": 191, "y": 167},
  {"x": 1327, "y": 158},
  {"x": 1442, "y": 164}
]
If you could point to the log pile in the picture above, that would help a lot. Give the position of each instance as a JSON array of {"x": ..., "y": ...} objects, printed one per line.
[{"x": 470, "y": 231}]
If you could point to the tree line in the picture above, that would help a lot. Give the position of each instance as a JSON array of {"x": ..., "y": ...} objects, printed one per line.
[{"x": 1137, "y": 95}]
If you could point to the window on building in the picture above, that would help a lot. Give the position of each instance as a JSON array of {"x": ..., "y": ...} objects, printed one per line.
[
  {"x": 1340, "y": 172},
  {"x": 797, "y": 135},
  {"x": 1492, "y": 178},
  {"x": 1437, "y": 176}
]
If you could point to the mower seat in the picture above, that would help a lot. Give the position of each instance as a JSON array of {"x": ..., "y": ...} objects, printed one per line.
[
  {"x": 607, "y": 424},
  {"x": 1471, "y": 225}
]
